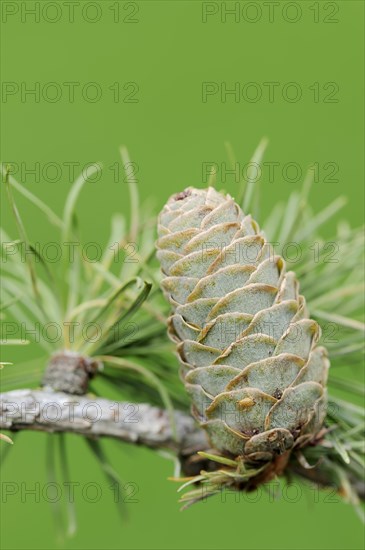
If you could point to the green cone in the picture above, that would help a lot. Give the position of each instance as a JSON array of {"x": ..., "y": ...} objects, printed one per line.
[{"x": 248, "y": 351}]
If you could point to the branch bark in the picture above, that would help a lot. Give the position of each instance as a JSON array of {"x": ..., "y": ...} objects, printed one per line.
[{"x": 138, "y": 423}]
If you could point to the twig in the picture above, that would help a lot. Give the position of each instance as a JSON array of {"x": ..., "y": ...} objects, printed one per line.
[{"x": 138, "y": 423}]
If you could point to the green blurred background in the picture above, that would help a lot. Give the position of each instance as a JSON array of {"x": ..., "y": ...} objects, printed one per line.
[{"x": 148, "y": 63}]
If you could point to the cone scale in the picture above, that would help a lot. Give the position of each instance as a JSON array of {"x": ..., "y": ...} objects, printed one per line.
[{"x": 249, "y": 353}]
